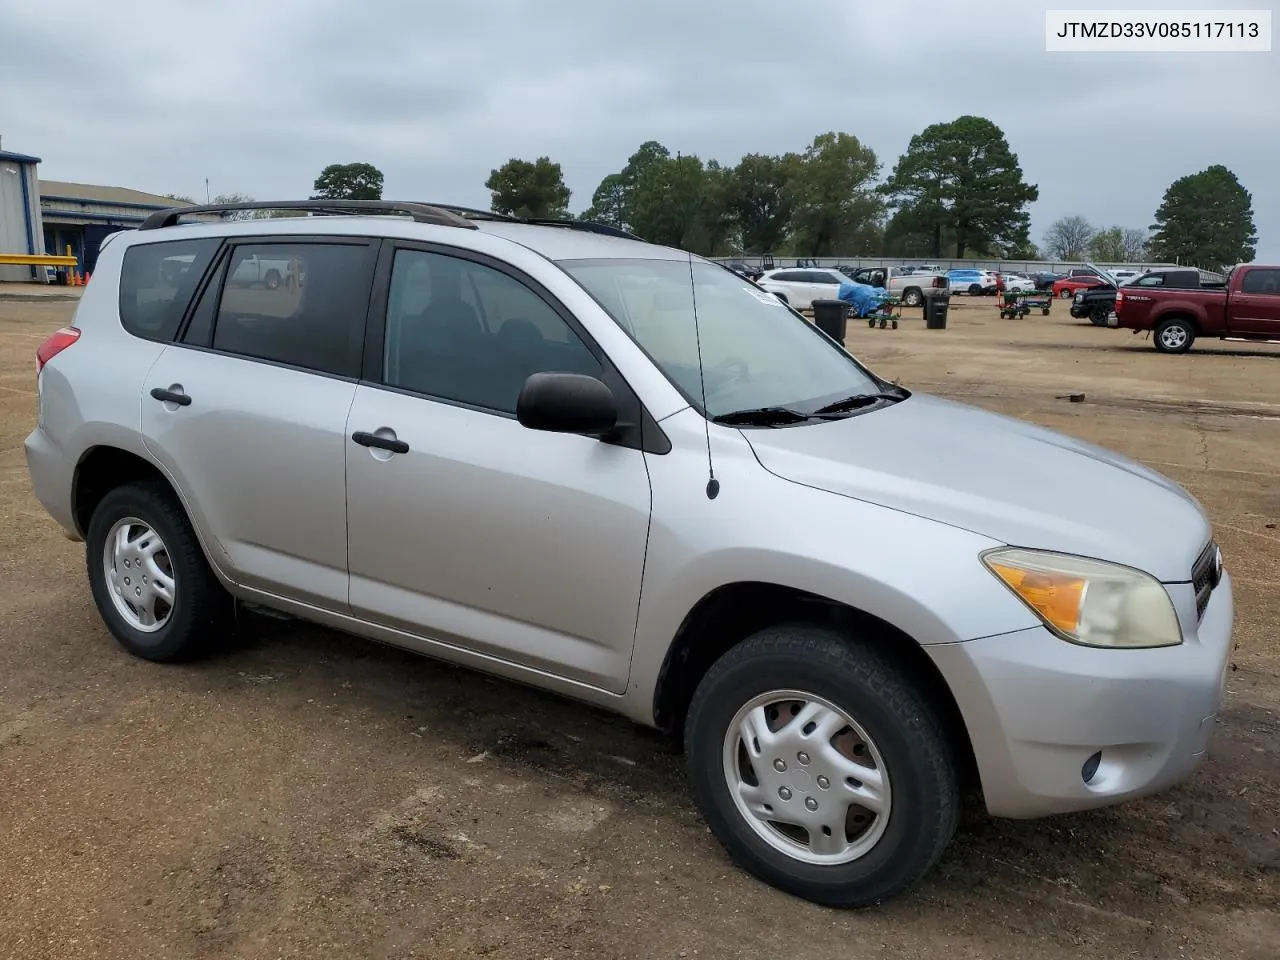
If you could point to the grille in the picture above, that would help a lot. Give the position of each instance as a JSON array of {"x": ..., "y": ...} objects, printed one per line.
[{"x": 1205, "y": 576}]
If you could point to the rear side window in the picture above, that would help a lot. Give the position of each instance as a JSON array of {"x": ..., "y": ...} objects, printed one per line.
[
  {"x": 301, "y": 304},
  {"x": 157, "y": 281},
  {"x": 1261, "y": 281}
]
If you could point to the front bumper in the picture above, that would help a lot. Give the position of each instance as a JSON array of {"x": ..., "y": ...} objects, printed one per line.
[{"x": 1037, "y": 708}]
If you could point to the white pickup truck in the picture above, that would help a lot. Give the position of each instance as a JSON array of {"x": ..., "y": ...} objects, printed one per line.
[
  {"x": 912, "y": 284},
  {"x": 255, "y": 270}
]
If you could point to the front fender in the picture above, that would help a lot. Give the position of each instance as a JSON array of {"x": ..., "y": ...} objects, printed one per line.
[{"x": 923, "y": 577}]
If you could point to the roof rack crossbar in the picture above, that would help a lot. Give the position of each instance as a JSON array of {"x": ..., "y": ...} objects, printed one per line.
[
  {"x": 473, "y": 213},
  {"x": 421, "y": 212}
]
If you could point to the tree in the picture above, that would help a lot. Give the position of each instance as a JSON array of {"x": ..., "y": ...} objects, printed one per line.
[
  {"x": 529, "y": 189},
  {"x": 759, "y": 200},
  {"x": 1205, "y": 220},
  {"x": 964, "y": 176},
  {"x": 1134, "y": 242},
  {"x": 834, "y": 207},
  {"x": 1068, "y": 238},
  {"x": 180, "y": 197},
  {"x": 667, "y": 201},
  {"x": 717, "y": 229},
  {"x": 614, "y": 200},
  {"x": 348, "y": 181},
  {"x": 1107, "y": 245}
]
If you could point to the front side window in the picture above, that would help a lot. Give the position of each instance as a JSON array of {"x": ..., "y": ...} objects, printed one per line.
[
  {"x": 301, "y": 304},
  {"x": 157, "y": 281},
  {"x": 755, "y": 351},
  {"x": 463, "y": 331}
]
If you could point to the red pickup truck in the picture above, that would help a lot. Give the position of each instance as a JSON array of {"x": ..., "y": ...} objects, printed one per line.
[{"x": 1247, "y": 308}]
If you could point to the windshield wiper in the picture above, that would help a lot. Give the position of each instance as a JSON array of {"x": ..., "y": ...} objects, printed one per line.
[
  {"x": 858, "y": 400},
  {"x": 762, "y": 417}
]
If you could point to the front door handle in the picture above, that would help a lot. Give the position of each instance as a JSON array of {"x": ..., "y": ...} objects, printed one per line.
[
  {"x": 171, "y": 396},
  {"x": 381, "y": 443}
]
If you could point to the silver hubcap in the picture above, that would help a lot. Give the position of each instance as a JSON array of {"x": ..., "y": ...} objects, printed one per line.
[
  {"x": 1173, "y": 337},
  {"x": 139, "y": 575},
  {"x": 806, "y": 777}
]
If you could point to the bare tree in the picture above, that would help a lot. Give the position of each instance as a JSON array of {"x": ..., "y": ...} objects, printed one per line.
[
  {"x": 1134, "y": 243},
  {"x": 1068, "y": 238}
]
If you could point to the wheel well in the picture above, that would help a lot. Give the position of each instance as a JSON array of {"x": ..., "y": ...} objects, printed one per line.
[
  {"x": 1190, "y": 320},
  {"x": 907, "y": 290},
  {"x": 99, "y": 472},
  {"x": 730, "y": 614}
]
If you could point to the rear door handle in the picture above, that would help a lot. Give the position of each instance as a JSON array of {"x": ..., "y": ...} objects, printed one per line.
[
  {"x": 381, "y": 443},
  {"x": 171, "y": 396}
]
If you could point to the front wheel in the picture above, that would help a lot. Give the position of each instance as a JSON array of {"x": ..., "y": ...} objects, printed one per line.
[
  {"x": 1099, "y": 316},
  {"x": 1175, "y": 335},
  {"x": 149, "y": 577},
  {"x": 820, "y": 767}
]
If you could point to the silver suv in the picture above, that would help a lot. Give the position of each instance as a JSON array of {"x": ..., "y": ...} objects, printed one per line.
[{"x": 553, "y": 452}]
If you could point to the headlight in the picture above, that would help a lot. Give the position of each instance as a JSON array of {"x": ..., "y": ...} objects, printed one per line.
[{"x": 1087, "y": 601}]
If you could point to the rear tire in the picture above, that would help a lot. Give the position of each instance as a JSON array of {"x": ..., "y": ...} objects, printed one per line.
[
  {"x": 1065, "y": 295},
  {"x": 872, "y": 738},
  {"x": 1175, "y": 335},
  {"x": 912, "y": 297},
  {"x": 149, "y": 577},
  {"x": 975, "y": 289},
  {"x": 272, "y": 280}
]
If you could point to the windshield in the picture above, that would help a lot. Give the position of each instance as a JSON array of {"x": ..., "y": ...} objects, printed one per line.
[{"x": 756, "y": 352}]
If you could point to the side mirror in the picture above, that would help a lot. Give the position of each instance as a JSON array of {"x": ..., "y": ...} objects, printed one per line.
[{"x": 567, "y": 403}]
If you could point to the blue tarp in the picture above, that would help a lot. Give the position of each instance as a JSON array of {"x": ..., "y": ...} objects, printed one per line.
[{"x": 861, "y": 297}]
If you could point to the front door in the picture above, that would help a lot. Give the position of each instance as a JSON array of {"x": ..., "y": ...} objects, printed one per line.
[
  {"x": 467, "y": 528},
  {"x": 248, "y": 413},
  {"x": 1255, "y": 309}
]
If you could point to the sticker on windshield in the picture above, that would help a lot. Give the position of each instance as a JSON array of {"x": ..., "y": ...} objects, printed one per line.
[{"x": 764, "y": 296}]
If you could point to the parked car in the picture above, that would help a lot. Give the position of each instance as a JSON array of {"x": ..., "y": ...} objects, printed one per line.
[
  {"x": 254, "y": 271},
  {"x": 1044, "y": 280},
  {"x": 1246, "y": 307},
  {"x": 913, "y": 288},
  {"x": 1017, "y": 283},
  {"x": 1067, "y": 286},
  {"x": 972, "y": 282},
  {"x": 614, "y": 471},
  {"x": 1098, "y": 303},
  {"x": 800, "y": 288}
]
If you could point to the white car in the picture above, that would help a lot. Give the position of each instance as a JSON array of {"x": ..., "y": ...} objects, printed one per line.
[
  {"x": 800, "y": 286},
  {"x": 1017, "y": 283}
]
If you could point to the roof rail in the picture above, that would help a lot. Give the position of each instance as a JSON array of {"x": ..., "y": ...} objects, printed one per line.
[
  {"x": 587, "y": 226},
  {"x": 421, "y": 212}
]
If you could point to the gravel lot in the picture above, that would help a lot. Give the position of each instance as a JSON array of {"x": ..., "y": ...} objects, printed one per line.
[{"x": 307, "y": 794}]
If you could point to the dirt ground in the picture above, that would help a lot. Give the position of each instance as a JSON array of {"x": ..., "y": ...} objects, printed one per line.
[{"x": 310, "y": 795}]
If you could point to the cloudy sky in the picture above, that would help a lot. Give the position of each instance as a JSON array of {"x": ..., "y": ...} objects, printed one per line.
[{"x": 258, "y": 96}]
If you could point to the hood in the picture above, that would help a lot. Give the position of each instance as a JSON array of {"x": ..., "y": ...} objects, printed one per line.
[{"x": 998, "y": 477}]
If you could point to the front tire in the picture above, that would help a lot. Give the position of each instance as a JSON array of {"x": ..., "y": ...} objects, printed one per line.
[
  {"x": 149, "y": 577},
  {"x": 820, "y": 767},
  {"x": 1175, "y": 335}
]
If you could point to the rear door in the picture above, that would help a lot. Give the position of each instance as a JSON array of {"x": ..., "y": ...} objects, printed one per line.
[
  {"x": 248, "y": 411},
  {"x": 1255, "y": 306}
]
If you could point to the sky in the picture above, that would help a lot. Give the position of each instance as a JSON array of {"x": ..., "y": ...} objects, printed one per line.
[{"x": 259, "y": 96}]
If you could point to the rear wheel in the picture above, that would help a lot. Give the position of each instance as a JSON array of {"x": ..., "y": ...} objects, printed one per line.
[
  {"x": 912, "y": 297},
  {"x": 820, "y": 767},
  {"x": 975, "y": 289},
  {"x": 149, "y": 577},
  {"x": 1175, "y": 335},
  {"x": 272, "y": 280},
  {"x": 1066, "y": 295}
]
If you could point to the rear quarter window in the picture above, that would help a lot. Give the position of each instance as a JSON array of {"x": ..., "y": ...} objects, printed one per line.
[{"x": 157, "y": 281}]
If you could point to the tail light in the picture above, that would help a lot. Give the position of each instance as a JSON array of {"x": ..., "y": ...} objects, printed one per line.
[
  {"x": 1119, "y": 300},
  {"x": 57, "y": 342},
  {"x": 940, "y": 281}
]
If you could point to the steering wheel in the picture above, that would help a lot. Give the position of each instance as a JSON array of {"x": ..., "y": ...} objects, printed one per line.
[{"x": 725, "y": 373}]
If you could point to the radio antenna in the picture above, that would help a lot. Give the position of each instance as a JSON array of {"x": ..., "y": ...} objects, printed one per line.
[{"x": 713, "y": 485}]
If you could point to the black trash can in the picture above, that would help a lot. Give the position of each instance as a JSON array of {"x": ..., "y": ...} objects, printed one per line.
[
  {"x": 832, "y": 318},
  {"x": 935, "y": 312}
]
